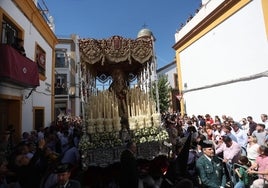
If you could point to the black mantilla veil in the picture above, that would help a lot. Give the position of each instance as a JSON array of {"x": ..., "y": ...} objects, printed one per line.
[{"x": 177, "y": 170}]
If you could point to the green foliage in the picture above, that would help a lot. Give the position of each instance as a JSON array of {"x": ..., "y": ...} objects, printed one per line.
[{"x": 164, "y": 90}]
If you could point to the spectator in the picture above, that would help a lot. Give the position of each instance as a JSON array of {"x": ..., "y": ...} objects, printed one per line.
[
  {"x": 260, "y": 167},
  {"x": 31, "y": 149},
  {"x": 201, "y": 121},
  {"x": 3, "y": 172},
  {"x": 217, "y": 120},
  {"x": 242, "y": 173},
  {"x": 241, "y": 136},
  {"x": 52, "y": 160},
  {"x": 52, "y": 141},
  {"x": 18, "y": 45},
  {"x": 252, "y": 125},
  {"x": 228, "y": 132},
  {"x": 63, "y": 172},
  {"x": 129, "y": 170},
  {"x": 71, "y": 155},
  {"x": 199, "y": 141},
  {"x": 218, "y": 131},
  {"x": 264, "y": 119},
  {"x": 231, "y": 150},
  {"x": 209, "y": 119},
  {"x": 252, "y": 148},
  {"x": 209, "y": 168},
  {"x": 260, "y": 133},
  {"x": 29, "y": 171},
  {"x": 244, "y": 125},
  {"x": 64, "y": 140},
  {"x": 40, "y": 133},
  {"x": 224, "y": 118},
  {"x": 25, "y": 137},
  {"x": 195, "y": 121},
  {"x": 209, "y": 132},
  {"x": 192, "y": 129}
]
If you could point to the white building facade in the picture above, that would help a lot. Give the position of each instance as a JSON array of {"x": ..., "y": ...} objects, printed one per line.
[
  {"x": 67, "y": 77},
  {"x": 222, "y": 59},
  {"x": 26, "y": 92},
  {"x": 170, "y": 70}
]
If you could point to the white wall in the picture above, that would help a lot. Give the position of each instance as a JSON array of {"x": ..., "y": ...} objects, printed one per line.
[
  {"x": 169, "y": 71},
  {"x": 234, "y": 49}
]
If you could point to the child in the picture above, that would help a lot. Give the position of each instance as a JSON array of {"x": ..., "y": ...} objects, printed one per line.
[{"x": 242, "y": 173}]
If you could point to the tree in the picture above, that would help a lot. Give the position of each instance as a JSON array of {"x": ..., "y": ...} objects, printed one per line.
[{"x": 163, "y": 92}]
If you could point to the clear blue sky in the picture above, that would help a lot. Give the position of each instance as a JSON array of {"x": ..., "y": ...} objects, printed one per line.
[{"x": 101, "y": 19}]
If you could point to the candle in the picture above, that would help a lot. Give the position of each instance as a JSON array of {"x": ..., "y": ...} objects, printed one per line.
[
  {"x": 129, "y": 112},
  {"x": 104, "y": 104}
]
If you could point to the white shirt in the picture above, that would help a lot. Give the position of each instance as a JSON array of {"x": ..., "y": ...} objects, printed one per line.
[
  {"x": 241, "y": 136},
  {"x": 40, "y": 135},
  {"x": 245, "y": 127},
  {"x": 252, "y": 151},
  {"x": 266, "y": 124}
]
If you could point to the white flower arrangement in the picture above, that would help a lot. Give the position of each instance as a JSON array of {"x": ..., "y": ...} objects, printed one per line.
[
  {"x": 85, "y": 144},
  {"x": 142, "y": 140},
  {"x": 150, "y": 134},
  {"x": 100, "y": 140},
  {"x": 162, "y": 135},
  {"x": 111, "y": 139},
  {"x": 150, "y": 139}
]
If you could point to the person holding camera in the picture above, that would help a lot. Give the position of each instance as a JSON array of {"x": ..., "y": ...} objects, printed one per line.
[{"x": 260, "y": 168}]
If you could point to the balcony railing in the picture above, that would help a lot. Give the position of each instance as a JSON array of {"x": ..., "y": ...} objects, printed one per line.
[{"x": 61, "y": 91}]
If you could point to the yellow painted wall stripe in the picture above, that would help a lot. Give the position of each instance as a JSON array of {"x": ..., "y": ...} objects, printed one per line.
[
  {"x": 180, "y": 83},
  {"x": 265, "y": 15}
]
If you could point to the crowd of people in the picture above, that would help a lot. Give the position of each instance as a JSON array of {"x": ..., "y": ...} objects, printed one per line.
[
  {"x": 222, "y": 152},
  {"x": 44, "y": 158},
  {"x": 227, "y": 152}
]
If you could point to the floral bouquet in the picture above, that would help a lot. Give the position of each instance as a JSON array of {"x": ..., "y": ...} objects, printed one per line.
[{"x": 85, "y": 143}]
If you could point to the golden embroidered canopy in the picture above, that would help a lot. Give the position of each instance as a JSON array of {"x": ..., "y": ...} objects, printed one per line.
[{"x": 105, "y": 55}]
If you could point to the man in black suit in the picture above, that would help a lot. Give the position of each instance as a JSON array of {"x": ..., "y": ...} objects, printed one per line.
[
  {"x": 129, "y": 170},
  {"x": 63, "y": 172}
]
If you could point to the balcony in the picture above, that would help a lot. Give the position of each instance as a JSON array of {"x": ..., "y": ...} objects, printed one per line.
[
  {"x": 17, "y": 69},
  {"x": 61, "y": 90}
]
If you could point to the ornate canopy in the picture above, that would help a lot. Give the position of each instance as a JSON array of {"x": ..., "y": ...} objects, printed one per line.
[{"x": 101, "y": 57}]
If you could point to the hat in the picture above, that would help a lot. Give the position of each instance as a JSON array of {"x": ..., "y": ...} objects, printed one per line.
[
  {"x": 63, "y": 167},
  {"x": 206, "y": 144}
]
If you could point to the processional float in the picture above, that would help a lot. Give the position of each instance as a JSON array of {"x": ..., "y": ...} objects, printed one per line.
[{"x": 126, "y": 109}]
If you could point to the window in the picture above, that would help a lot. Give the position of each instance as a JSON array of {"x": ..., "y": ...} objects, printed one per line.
[
  {"x": 9, "y": 32},
  {"x": 61, "y": 61},
  {"x": 40, "y": 58}
]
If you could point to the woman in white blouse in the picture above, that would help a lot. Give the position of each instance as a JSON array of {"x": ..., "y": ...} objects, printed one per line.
[{"x": 252, "y": 148}]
